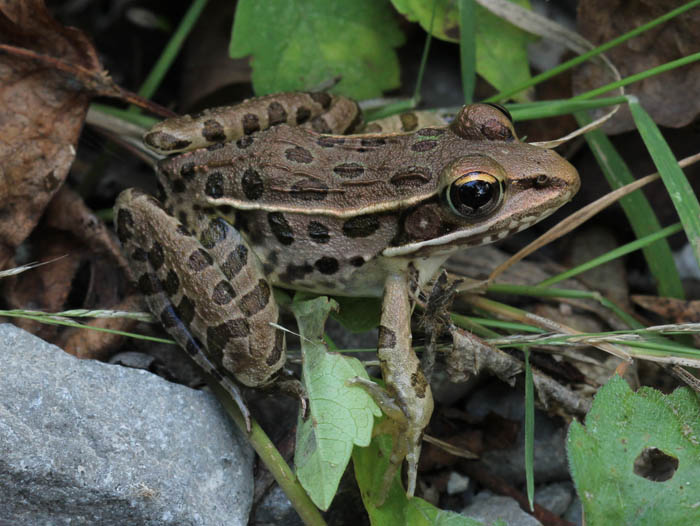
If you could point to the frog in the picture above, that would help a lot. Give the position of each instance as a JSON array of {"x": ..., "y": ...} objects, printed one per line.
[{"x": 282, "y": 191}]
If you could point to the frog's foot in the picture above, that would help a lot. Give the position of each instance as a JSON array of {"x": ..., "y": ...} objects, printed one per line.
[
  {"x": 295, "y": 389},
  {"x": 404, "y": 444}
]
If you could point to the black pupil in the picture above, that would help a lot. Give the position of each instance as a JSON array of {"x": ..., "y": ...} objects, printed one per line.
[{"x": 476, "y": 194}]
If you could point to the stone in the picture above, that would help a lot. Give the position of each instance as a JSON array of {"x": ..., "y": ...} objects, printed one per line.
[
  {"x": 83, "y": 442},
  {"x": 555, "y": 497},
  {"x": 493, "y": 508}
]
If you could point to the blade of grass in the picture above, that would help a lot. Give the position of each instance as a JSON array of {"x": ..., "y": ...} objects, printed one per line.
[
  {"x": 592, "y": 53},
  {"x": 529, "y": 431},
  {"x": 551, "y": 108},
  {"x": 682, "y": 195},
  {"x": 638, "y": 211},
  {"x": 643, "y": 242},
  {"x": 683, "y": 61},
  {"x": 467, "y": 47},
  {"x": 162, "y": 65}
]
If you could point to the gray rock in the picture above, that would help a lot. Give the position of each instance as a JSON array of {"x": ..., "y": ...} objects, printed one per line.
[
  {"x": 495, "y": 507},
  {"x": 550, "y": 437},
  {"x": 555, "y": 497},
  {"x": 83, "y": 442},
  {"x": 575, "y": 512}
]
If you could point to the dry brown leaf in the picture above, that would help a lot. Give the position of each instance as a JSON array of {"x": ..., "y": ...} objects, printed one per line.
[
  {"x": 666, "y": 96},
  {"x": 41, "y": 115}
]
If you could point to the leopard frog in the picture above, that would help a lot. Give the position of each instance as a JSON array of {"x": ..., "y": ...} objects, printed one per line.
[{"x": 272, "y": 193}]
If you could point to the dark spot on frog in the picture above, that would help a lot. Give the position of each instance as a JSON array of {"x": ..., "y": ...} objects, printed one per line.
[
  {"x": 185, "y": 311},
  {"x": 276, "y": 114},
  {"x": 199, "y": 260},
  {"x": 214, "y": 234},
  {"x": 193, "y": 346},
  {"x": 160, "y": 192},
  {"x": 256, "y": 300},
  {"x": 178, "y": 186},
  {"x": 155, "y": 256},
  {"x": 139, "y": 254},
  {"x": 318, "y": 232},
  {"x": 326, "y": 265},
  {"x": 387, "y": 338},
  {"x": 357, "y": 261},
  {"x": 218, "y": 336},
  {"x": 319, "y": 125},
  {"x": 182, "y": 230},
  {"x": 299, "y": 155},
  {"x": 125, "y": 222},
  {"x": 164, "y": 141},
  {"x": 216, "y": 146},
  {"x": 409, "y": 121},
  {"x": 349, "y": 170},
  {"x": 303, "y": 114},
  {"x": 419, "y": 383},
  {"x": 280, "y": 228},
  {"x": 321, "y": 97},
  {"x": 430, "y": 132},
  {"x": 214, "y": 187},
  {"x": 329, "y": 142},
  {"x": 149, "y": 284},
  {"x": 223, "y": 293},
  {"x": 235, "y": 261},
  {"x": 244, "y": 142},
  {"x": 309, "y": 190},
  {"x": 226, "y": 210},
  {"x": 296, "y": 272},
  {"x": 423, "y": 222},
  {"x": 276, "y": 352},
  {"x": 213, "y": 131},
  {"x": 411, "y": 177},
  {"x": 251, "y": 123},
  {"x": 171, "y": 283},
  {"x": 361, "y": 226},
  {"x": 168, "y": 318},
  {"x": 182, "y": 217},
  {"x": 373, "y": 141},
  {"x": 424, "y": 146},
  {"x": 187, "y": 170}
]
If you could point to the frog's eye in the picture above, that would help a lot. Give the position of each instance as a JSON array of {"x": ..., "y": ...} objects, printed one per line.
[
  {"x": 475, "y": 194},
  {"x": 502, "y": 109}
]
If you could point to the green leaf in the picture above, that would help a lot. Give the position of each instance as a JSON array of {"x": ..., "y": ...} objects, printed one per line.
[
  {"x": 300, "y": 44},
  {"x": 620, "y": 427},
  {"x": 370, "y": 464},
  {"x": 340, "y": 416},
  {"x": 358, "y": 314},
  {"x": 501, "y": 48}
]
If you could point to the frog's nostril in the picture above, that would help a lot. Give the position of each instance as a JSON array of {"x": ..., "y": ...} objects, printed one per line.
[{"x": 541, "y": 180}]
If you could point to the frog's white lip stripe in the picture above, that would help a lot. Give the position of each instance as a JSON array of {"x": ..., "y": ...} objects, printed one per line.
[{"x": 514, "y": 226}]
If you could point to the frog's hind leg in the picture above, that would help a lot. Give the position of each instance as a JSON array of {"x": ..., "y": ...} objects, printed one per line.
[{"x": 207, "y": 289}]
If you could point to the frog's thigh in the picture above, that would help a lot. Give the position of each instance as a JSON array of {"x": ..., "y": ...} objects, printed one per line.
[{"x": 208, "y": 291}]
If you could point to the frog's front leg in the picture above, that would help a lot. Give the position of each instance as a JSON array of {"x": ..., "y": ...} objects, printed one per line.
[
  {"x": 207, "y": 288},
  {"x": 408, "y": 400}
]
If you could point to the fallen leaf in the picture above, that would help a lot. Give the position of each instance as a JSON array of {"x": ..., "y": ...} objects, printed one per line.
[{"x": 664, "y": 96}]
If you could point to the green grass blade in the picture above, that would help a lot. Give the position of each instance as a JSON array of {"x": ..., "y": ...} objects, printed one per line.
[
  {"x": 552, "y": 108},
  {"x": 646, "y": 241},
  {"x": 592, "y": 53},
  {"x": 529, "y": 431},
  {"x": 639, "y": 76},
  {"x": 161, "y": 67},
  {"x": 677, "y": 186},
  {"x": 467, "y": 47},
  {"x": 638, "y": 211}
]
